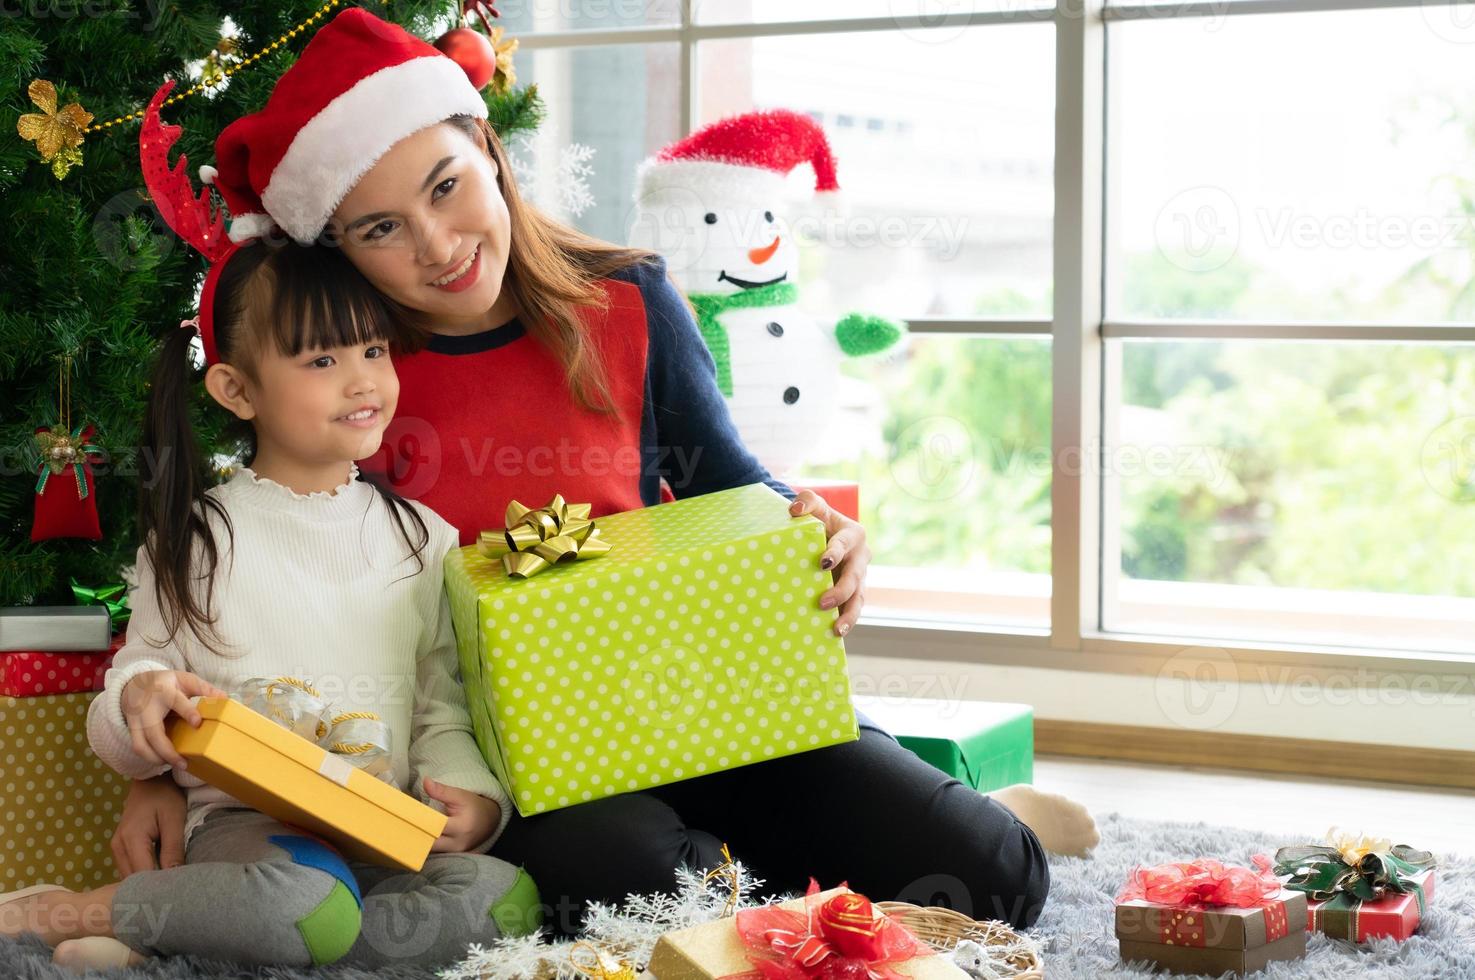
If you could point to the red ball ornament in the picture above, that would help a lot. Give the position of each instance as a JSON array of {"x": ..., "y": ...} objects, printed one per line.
[{"x": 472, "y": 51}]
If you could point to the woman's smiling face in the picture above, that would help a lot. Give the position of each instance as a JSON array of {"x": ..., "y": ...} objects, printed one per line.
[{"x": 428, "y": 226}]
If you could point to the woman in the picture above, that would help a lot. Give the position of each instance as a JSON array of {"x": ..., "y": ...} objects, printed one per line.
[{"x": 553, "y": 362}]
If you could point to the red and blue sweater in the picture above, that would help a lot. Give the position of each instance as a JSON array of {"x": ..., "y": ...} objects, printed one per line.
[{"x": 488, "y": 417}]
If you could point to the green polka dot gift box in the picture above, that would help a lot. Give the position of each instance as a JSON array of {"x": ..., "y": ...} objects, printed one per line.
[
  {"x": 695, "y": 644},
  {"x": 59, "y": 803}
]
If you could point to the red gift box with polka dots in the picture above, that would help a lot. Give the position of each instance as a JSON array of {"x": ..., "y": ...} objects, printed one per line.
[{"x": 34, "y": 674}]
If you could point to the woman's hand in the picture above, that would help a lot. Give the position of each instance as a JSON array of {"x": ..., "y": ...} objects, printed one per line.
[
  {"x": 470, "y": 817},
  {"x": 149, "y": 698},
  {"x": 153, "y": 814},
  {"x": 847, "y": 554}
]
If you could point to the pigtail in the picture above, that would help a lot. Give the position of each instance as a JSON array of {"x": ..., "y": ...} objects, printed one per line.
[{"x": 173, "y": 512}]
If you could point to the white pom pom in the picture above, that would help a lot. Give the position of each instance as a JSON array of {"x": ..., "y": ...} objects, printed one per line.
[
  {"x": 247, "y": 226},
  {"x": 208, "y": 174}
]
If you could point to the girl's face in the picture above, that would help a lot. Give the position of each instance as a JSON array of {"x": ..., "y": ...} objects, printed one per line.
[
  {"x": 305, "y": 408},
  {"x": 429, "y": 228}
]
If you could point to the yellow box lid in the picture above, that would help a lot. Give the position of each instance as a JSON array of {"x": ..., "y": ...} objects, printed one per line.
[{"x": 299, "y": 750}]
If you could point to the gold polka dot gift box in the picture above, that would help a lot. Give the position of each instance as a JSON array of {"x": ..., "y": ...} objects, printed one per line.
[
  {"x": 59, "y": 803},
  {"x": 1208, "y": 935},
  {"x": 693, "y": 644}
]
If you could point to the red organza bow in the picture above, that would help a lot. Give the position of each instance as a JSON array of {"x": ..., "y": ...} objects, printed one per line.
[
  {"x": 1202, "y": 883},
  {"x": 838, "y": 939}
]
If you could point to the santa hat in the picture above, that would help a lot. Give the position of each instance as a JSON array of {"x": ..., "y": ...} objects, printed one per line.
[
  {"x": 742, "y": 156},
  {"x": 361, "y": 85}
]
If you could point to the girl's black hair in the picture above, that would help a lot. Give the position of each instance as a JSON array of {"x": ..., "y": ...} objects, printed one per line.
[{"x": 271, "y": 294}]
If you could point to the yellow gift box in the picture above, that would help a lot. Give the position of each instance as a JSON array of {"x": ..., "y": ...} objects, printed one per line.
[
  {"x": 59, "y": 803},
  {"x": 287, "y": 777},
  {"x": 713, "y": 949}
]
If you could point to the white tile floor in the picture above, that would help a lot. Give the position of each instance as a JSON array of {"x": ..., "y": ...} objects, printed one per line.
[{"x": 1440, "y": 820}]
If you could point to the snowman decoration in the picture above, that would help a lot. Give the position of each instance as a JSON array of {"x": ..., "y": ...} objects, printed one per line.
[{"x": 711, "y": 204}]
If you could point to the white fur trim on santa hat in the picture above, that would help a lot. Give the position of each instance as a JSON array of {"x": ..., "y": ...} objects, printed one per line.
[
  {"x": 712, "y": 182},
  {"x": 344, "y": 141},
  {"x": 247, "y": 226}
]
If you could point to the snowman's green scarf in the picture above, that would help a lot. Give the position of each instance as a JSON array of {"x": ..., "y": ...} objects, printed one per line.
[{"x": 710, "y": 306}]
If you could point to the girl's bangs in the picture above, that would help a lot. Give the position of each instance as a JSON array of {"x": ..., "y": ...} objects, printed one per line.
[{"x": 321, "y": 301}]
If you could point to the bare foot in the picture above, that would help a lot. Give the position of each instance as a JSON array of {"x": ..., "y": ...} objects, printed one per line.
[
  {"x": 1062, "y": 825},
  {"x": 95, "y": 953}
]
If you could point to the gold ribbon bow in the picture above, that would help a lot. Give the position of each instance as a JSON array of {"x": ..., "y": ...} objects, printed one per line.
[{"x": 536, "y": 539}]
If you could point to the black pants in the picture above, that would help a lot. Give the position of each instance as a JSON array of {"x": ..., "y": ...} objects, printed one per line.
[{"x": 868, "y": 812}]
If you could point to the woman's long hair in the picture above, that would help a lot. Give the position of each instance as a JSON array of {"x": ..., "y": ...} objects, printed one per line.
[
  {"x": 552, "y": 271},
  {"x": 272, "y": 294}
]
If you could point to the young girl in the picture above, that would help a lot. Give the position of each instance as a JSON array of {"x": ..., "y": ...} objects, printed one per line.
[
  {"x": 554, "y": 362},
  {"x": 295, "y": 566}
]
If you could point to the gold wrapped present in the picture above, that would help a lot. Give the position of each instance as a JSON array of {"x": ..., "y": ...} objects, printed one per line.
[
  {"x": 59, "y": 803},
  {"x": 716, "y": 949}
]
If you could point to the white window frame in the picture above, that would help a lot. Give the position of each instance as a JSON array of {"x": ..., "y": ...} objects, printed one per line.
[{"x": 1083, "y": 542}]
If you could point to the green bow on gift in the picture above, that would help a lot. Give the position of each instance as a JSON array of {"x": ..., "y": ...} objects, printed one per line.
[
  {"x": 115, "y": 597},
  {"x": 1353, "y": 870},
  {"x": 535, "y": 539}
]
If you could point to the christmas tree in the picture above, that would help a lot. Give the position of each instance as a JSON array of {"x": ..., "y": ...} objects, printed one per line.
[{"x": 90, "y": 276}]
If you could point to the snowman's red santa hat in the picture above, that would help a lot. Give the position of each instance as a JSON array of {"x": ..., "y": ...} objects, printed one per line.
[
  {"x": 361, "y": 85},
  {"x": 742, "y": 157}
]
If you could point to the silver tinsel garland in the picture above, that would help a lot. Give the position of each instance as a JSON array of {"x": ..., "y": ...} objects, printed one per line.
[{"x": 627, "y": 931}]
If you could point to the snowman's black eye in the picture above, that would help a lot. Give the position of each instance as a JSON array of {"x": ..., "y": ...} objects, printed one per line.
[
  {"x": 711, "y": 218},
  {"x": 768, "y": 216}
]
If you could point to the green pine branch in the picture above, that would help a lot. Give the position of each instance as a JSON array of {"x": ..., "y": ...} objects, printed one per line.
[{"x": 89, "y": 268}]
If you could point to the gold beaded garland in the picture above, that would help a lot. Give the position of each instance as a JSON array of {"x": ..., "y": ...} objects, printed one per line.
[{"x": 313, "y": 18}]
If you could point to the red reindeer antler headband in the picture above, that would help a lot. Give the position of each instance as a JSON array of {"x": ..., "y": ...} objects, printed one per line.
[{"x": 194, "y": 218}]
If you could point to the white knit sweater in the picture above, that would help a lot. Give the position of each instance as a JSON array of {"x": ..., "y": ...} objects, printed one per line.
[{"x": 319, "y": 587}]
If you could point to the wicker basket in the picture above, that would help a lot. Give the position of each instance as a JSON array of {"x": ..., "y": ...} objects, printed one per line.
[{"x": 941, "y": 929}]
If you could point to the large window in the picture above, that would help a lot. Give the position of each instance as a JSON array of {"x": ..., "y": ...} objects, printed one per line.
[
  {"x": 1190, "y": 289},
  {"x": 944, "y": 133},
  {"x": 1289, "y": 225}
]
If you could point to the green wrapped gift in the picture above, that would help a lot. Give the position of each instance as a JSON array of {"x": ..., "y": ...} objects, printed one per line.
[
  {"x": 689, "y": 641},
  {"x": 985, "y": 744}
]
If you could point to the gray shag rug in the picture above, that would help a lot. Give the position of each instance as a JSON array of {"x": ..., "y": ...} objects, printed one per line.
[{"x": 1074, "y": 933}]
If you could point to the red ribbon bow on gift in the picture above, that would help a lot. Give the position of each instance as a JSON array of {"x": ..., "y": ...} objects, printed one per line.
[
  {"x": 838, "y": 939},
  {"x": 1203, "y": 883}
]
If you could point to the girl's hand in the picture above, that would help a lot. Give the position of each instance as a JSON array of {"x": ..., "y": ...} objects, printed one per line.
[
  {"x": 847, "y": 554},
  {"x": 152, "y": 814},
  {"x": 470, "y": 817},
  {"x": 149, "y": 698}
]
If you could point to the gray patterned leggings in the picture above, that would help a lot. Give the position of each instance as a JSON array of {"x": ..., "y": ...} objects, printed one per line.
[{"x": 257, "y": 891}]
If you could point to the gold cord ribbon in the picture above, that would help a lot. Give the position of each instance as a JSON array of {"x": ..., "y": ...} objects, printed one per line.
[
  {"x": 726, "y": 871},
  {"x": 298, "y": 707},
  {"x": 62, "y": 447}
]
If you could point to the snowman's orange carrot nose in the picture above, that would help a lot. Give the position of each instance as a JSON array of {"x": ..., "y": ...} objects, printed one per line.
[{"x": 758, "y": 256}]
